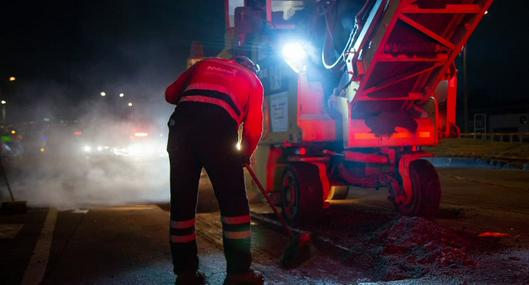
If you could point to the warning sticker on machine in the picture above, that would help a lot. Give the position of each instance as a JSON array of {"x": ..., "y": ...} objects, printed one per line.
[{"x": 279, "y": 112}]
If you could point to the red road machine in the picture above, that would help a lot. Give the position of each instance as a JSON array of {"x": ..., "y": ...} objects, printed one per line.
[{"x": 353, "y": 92}]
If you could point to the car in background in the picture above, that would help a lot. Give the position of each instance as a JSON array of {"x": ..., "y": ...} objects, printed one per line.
[
  {"x": 97, "y": 138},
  {"x": 140, "y": 139},
  {"x": 10, "y": 142}
]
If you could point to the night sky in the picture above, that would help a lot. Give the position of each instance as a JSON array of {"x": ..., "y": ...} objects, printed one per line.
[
  {"x": 498, "y": 63},
  {"x": 69, "y": 51},
  {"x": 74, "y": 49}
]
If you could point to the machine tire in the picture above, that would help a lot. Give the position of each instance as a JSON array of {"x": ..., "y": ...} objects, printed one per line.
[
  {"x": 301, "y": 194},
  {"x": 426, "y": 191}
]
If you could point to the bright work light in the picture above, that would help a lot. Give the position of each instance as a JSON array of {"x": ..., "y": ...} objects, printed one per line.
[{"x": 295, "y": 55}]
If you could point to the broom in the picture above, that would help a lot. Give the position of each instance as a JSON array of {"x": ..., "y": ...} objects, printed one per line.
[
  {"x": 12, "y": 207},
  {"x": 300, "y": 247}
]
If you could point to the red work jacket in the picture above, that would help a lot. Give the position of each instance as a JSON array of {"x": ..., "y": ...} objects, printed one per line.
[{"x": 229, "y": 85}]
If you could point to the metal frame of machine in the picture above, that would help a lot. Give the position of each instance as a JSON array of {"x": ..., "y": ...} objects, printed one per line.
[{"x": 396, "y": 94}]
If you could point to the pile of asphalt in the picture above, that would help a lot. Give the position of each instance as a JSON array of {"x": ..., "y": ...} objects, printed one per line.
[
  {"x": 410, "y": 247},
  {"x": 391, "y": 248}
]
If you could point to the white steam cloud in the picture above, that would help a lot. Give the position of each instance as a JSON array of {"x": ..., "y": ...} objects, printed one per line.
[
  {"x": 64, "y": 176},
  {"x": 56, "y": 169}
]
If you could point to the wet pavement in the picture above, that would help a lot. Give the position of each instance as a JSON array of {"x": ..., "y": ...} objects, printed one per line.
[{"x": 128, "y": 244}]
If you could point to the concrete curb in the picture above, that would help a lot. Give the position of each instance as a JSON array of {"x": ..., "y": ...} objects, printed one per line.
[{"x": 468, "y": 162}]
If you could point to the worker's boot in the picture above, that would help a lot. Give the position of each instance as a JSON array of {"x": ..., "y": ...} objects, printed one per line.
[
  {"x": 190, "y": 278},
  {"x": 251, "y": 277}
]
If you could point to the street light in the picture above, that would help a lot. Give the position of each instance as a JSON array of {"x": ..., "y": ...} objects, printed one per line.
[
  {"x": 3, "y": 102},
  {"x": 121, "y": 95},
  {"x": 103, "y": 94},
  {"x": 12, "y": 78},
  {"x": 129, "y": 104}
]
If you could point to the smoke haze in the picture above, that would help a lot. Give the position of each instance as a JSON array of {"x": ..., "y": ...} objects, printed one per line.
[
  {"x": 76, "y": 51},
  {"x": 65, "y": 175}
]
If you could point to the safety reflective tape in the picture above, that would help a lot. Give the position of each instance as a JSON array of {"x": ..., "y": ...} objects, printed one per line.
[
  {"x": 183, "y": 224},
  {"x": 214, "y": 94},
  {"x": 236, "y": 220},
  {"x": 237, "y": 235},
  {"x": 183, "y": 239}
]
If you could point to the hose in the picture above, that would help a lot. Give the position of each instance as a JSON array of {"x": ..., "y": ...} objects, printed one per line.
[{"x": 352, "y": 35}]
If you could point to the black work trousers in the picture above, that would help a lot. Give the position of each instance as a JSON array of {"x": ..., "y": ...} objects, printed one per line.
[{"x": 203, "y": 135}]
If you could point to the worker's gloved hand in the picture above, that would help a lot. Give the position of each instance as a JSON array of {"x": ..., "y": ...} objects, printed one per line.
[{"x": 245, "y": 159}]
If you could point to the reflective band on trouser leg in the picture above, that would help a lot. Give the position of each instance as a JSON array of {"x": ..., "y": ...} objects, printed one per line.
[
  {"x": 182, "y": 224},
  {"x": 183, "y": 231},
  {"x": 184, "y": 246},
  {"x": 237, "y": 243}
]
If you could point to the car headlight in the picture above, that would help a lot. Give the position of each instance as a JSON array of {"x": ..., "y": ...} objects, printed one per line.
[{"x": 140, "y": 149}]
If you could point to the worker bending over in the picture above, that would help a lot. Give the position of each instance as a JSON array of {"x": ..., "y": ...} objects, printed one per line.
[{"x": 213, "y": 98}]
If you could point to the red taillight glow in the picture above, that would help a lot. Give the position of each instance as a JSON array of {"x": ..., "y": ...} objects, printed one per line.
[
  {"x": 139, "y": 134},
  {"x": 77, "y": 133},
  {"x": 494, "y": 234}
]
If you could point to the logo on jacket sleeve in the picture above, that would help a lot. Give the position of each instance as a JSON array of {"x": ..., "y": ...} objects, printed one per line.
[{"x": 231, "y": 72}]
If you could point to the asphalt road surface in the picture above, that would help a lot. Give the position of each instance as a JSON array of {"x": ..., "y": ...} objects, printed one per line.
[{"x": 128, "y": 243}]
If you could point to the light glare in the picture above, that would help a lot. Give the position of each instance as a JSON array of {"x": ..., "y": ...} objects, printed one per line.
[
  {"x": 294, "y": 51},
  {"x": 140, "y": 134},
  {"x": 295, "y": 55}
]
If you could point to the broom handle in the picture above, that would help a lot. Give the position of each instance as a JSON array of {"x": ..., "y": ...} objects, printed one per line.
[{"x": 262, "y": 190}]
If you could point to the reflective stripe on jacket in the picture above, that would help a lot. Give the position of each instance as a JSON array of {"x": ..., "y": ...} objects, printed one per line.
[{"x": 229, "y": 85}]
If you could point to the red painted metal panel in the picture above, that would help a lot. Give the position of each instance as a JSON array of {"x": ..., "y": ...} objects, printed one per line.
[
  {"x": 451, "y": 108},
  {"x": 417, "y": 35},
  {"x": 361, "y": 135},
  {"x": 414, "y": 47},
  {"x": 313, "y": 121},
  {"x": 271, "y": 166}
]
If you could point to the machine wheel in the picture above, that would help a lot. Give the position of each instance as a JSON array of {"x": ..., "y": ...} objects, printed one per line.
[
  {"x": 339, "y": 192},
  {"x": 301, "y": 193},
  {"x": 426, "y": 191}
]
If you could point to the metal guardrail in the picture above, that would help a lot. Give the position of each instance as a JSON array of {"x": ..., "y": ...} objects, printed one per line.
[{"x": 500, "y": 137}]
